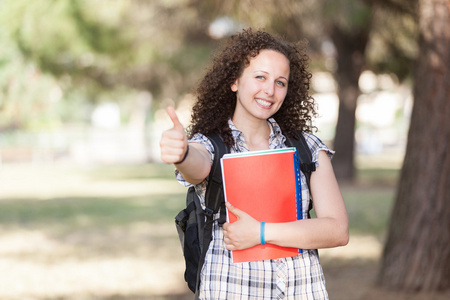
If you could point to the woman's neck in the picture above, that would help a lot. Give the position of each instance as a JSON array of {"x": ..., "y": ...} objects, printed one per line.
[{"x": 256, "y": 133}]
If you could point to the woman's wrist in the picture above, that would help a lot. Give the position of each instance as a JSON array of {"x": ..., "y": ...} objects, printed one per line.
[
  {"x": 184, "y": 157},
  {"x": 263, "y": 233}
]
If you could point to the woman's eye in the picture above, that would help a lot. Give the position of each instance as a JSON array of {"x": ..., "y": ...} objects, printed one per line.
[
  {"x": 260, "y": 77},
  {"x": 281, "y": 83}
]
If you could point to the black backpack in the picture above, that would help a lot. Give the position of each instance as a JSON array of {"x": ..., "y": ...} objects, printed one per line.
[{"x": 194, "y": 225}]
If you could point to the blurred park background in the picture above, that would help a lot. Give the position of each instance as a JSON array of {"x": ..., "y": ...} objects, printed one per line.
[{"x": 86, "y": 206}]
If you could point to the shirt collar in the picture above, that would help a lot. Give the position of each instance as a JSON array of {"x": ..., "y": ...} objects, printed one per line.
[{"x": 276, "y": 138}]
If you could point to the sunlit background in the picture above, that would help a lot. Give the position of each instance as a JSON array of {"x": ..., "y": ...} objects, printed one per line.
[{"x": 87, "y": 207}]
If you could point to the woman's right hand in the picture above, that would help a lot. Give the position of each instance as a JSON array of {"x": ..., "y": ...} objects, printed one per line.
[{"x": 174, "y": 141}]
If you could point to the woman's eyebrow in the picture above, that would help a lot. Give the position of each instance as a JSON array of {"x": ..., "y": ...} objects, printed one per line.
[{"x": 265, "y": 72}]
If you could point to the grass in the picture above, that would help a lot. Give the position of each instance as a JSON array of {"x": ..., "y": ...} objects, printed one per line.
[
  {"x": 107, "y": 232},
  {"x": 368, "y": 209},
  {"x": 107, "y": 196}
]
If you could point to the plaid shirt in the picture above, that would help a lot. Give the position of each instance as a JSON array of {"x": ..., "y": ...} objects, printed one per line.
[{"x": 299, "y": 277}]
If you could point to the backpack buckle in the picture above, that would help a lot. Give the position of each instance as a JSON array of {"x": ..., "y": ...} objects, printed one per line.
[
  {"x": 181, "y": 224},
  {"x": 208, "y": 212}
]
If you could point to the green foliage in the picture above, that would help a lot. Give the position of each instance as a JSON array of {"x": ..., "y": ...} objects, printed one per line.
[
  {"x": 95, "y": 50},
  {"x": 43, "y": 57},
  {"x": 393, "y": 46},
  {"x": 59, "y": 35},
  {"x": 27, "y": 96},
  {"x": 90, "y": 50},
  {"x": 349, "y": 15},
  {"x": 98, "y": 40}
]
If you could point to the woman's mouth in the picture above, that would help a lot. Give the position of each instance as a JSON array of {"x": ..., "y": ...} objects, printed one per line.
[{"x": 264, "y": 103}]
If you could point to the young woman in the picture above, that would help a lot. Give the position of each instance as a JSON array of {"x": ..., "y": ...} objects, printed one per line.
[{"x": 255, "y": 94}]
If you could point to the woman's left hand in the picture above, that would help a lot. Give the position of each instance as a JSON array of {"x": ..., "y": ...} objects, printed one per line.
[{"x": 242, "y": 234}]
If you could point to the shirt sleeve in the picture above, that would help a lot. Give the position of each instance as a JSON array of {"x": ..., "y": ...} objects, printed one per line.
[
  {"x": 316, "y": 145},
  {"x": 204, "y": 141}
]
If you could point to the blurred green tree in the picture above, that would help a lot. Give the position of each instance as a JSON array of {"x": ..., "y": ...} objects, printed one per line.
[
  {"x": 100, "y": 50},
  {"x": 25, "y": 93},
  {"x": 348, "y": 24},
  {"x": 417, "y": 254},
  {"x": 105, "y": 49},
  {"x": 364, "y": 34}
]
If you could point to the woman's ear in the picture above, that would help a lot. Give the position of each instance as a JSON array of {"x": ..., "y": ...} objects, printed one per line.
[{"x": 234, "y": 86}]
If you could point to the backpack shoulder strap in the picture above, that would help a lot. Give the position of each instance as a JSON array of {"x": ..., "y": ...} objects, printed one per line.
[
  {"x": 214, "y": 200},
  {"x": 214, "y": 192},
  {"x": 306, "y": 164}
]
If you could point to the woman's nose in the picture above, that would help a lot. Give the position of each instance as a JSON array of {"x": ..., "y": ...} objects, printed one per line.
[{"x": 269, "y": 88}]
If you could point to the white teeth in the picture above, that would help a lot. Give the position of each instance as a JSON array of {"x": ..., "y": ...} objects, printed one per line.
[{"x": 263, "y": 103}]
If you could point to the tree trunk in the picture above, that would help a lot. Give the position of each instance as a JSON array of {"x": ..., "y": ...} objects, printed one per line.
[
  {"x": 350, "y": 62},
  {"x": 417, "y": 251}
]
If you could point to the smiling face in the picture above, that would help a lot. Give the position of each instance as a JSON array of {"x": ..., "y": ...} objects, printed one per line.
[{"x": 262, "y": 87}]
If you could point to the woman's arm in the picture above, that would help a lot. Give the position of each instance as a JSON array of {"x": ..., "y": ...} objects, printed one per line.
[
  {"x": 174, "y": 146},
  {"x": 329, "y": 229}
]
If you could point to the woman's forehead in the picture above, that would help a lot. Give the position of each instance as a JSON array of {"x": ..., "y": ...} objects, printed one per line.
[{"x": 270, "y": 60}]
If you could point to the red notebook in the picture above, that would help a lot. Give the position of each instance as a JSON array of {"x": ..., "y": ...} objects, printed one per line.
[{"x": 266, "y": 185}]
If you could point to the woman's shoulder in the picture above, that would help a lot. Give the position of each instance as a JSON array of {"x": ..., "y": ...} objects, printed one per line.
[
  {"x": 312, "y": 139},
  {"x": 316, "y": 145}
]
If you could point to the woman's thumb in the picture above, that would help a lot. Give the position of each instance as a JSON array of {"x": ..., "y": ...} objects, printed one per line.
[
  {"x": 235, "y": 211},
  {"x": 173, "y": 116}
]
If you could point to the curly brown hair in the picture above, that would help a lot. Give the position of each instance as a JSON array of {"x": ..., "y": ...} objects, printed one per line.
[{"x": 216, "y": 101}]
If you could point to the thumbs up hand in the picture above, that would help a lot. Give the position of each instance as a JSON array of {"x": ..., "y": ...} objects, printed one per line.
[{"x": 173, "y": 141}]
